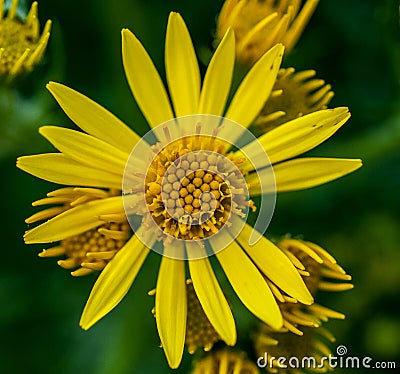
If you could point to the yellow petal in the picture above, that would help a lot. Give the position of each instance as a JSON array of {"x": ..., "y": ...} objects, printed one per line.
[
  {"x": 181, "y": 67},
  {"x": 86, "y": 149},
  {"x": 74, "y": 221},
  {"x": 275, "y": 265},
  {"x": 212, "y": 299},
  {"x": 228, "y": 15},
  {"x": 298, "y": 136},
  {"x": 218, "y": 78},
  {"x": 171, "y": 308},
  {"x": 248, "y": 283},
  {"x": 255, "y": 88},
  {"x": 12, "y": 11},
  {"x": 144, "y": 81},
  {"x": 114, "y": 282},
  {"x": 93, "y": 118},
  {"x": 302, "y": 173},
  {"x": 58, "y": 168},
  {"x": 299, "y": 23},
  {"x": 263, "y": 34}
]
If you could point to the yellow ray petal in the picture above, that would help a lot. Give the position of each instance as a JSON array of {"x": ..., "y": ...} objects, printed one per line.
[
  {"x": 265, "y": 30},
  {"x": 212, "y": 299},
  {"x": 218, "y": 78},
  {"x": 299, "y": 23},
  {"x": 44, "y": 214},
  {"x": 93, "y": 118},
  {"x": 86, "y": 149},
  {"x": 181, "y": 67},
  {"x": 74, "y": 221},
  {"x": 228, "y": 14},
  {"x": 171, "y": 308},
  {"x": 12, "y": 11},
  {"x": 302, "y": 173},
  {"x": 248, "y": 283},
  {"x": 58, "y": 168},
  {"x": 275, "y": 265},
  {"x": 114, "y": 282},
  {"x": 299, "y": 135},
  {"x": 32, "y": 21},
  {"x": 255, "y": 88},
  {"x": 144, "y": 81}
]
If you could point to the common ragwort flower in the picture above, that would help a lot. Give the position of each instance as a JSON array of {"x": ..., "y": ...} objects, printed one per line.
[{"x": 94, "y": 162}]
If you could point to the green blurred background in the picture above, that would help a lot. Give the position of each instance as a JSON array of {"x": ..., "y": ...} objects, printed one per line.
[{"x": 353, "y": 45}]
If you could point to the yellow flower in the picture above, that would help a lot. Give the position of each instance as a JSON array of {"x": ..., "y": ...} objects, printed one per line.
[
  {"x": 90, "y": 250},
  {"x": 21, "y": 46},
  {"x": 98, "y": 158},
  {"x": 260, "y": 24},
  {"x": 319, "y": 268},
  {"x": 302, "y": 334},
  {"x": 281, "y": 352},
  {"x": 225, "y": 362},
  {"x": 294, "y": 95},
  {"x": 320, "y": 272}
]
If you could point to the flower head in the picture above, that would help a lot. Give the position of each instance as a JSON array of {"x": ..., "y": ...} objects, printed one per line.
[
  {"x": 192, "y": 144},
  {"x": 260, "y": 24},
  {"x": 295, "y": 94},
  {"x": 319, "y": 268},
  {"x": 320, "y": 272},
  {"x": 21, "y": 46},
  {"x": 302, "y": 334},
  {"x": 90, "y": 250}
]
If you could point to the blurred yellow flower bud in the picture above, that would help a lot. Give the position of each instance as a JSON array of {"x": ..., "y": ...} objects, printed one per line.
[
  {"x": 260, "y": 24},
  {"x": 21, "y": 45}
]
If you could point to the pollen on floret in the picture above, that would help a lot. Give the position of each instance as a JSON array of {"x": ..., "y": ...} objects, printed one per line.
[
  {"x": 21, "y": 45},
  {"x": 192, "y": 188}
]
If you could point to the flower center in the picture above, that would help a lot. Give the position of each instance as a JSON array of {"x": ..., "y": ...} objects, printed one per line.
[
  {"x": 192, "y": 188},
  {"x": 15, "y": 38}
]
